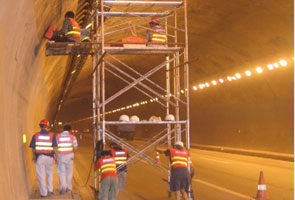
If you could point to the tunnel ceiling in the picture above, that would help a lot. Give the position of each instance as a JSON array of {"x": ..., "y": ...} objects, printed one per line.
[{"x": 224, "y": 37}]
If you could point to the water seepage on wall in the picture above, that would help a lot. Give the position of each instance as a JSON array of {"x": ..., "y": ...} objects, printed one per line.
[{"x": 29, "y": 84}]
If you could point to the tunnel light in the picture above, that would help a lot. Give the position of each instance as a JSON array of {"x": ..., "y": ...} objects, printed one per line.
[
  {"x": 73, "y": 72},
  {"x": 259, "y": 70},
  {"x": 233, "y": 78},
  {"x": 276, "y": 65},
  {"x": 221, "y": 80},
  {"x": 207, "y": 84},
  {"x": 59, "y": 123},
  {"x": 248, "y": 73},
  {"x": 24, "y": 138},
  {"x": 214, "y": 82},
  {"x": 182, "y": 91},
  {"x": 270, "y": 66},
  {"x": 238, "y": 75},
  {"x": 195, "y": 87},
  {"x": 78, "y": 56},
  {"x": 283, "y": 63},
  {"x": 201, "y": 86},
  {"x": 229, "y": 78}
]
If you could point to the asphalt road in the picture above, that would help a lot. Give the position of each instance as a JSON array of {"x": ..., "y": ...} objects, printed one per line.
[{"x": 219, "y": 176}]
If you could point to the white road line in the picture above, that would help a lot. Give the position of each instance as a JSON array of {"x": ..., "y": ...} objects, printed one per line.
[
  {"x": 220, "y": 161},
  {"x": 224, "y": 189}
]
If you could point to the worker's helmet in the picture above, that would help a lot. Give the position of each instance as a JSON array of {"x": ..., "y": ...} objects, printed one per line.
[
  {"x": 70, "y": 14},
  {"x": 179, "y": 143},
  {"x": 170, "y": 117},
  {"x": 44, "y": 122},
  {"x": 134, "y": 118},
  {"x": 155, "y": 20},
  {"x": 124, "y": 118}
]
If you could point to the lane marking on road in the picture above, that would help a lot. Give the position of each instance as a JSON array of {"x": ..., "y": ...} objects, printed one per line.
[
  {"x": 214, "y": 160},
  {"x": 224, "y": 189}
]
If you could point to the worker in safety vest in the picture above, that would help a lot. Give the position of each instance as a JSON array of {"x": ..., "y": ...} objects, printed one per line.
[
  {"x": 157, "y": 34},
  {"x": 108, "y": 174},
  {"x": 180, "y": 178},
  {"x": 70, "y": 31},
  {"x": 66, "y": 146},
  {"x": 121, "y": 155},
  {"x": 43, "y": 144}
]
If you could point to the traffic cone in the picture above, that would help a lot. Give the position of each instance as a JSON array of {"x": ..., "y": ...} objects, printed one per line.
[
  {"x": 261, "y": 190},
  {"x": 157, "y": 160}
]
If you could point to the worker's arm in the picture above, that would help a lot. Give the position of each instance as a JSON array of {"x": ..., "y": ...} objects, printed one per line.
[
  {"x": 160, "y": 150},
  {"x": 32, "y": 145},
  {"x": 34, "y": 155},
  {"x": 75, "y": 144},
  {"x": 54, "y": 145},
  {"x": 65, "y": 27}
]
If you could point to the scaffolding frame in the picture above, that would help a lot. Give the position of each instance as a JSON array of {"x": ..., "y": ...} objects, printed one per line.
[{"x": 175, "y": 56}]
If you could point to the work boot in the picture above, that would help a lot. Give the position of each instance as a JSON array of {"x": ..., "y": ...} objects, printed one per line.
[
  {"x": 50, "y": 194},
  {"x": 62, "y": 192}
]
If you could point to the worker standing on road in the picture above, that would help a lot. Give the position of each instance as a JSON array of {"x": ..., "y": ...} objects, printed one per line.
[
  {"x": 70, "y": 31},
  {"x": 157, "y": 34},
  {"x": 108, "y": 174},
  {"x": 43, "y": 144},
  {"x": 121, "y": 155},
  {"x": 67, "y": 145},
  {"x": 180, "y": 178}
]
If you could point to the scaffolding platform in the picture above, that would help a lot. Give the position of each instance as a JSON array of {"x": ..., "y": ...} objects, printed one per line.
[
  {"x": 68, "y": 48},
  {"x": 134, "y": 14},
  {"x": 156, "y": 50},
  {"x": 165, "y": 4}
]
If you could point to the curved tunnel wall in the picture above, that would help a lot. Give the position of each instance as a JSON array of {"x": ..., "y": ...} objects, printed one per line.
[{"x": 29, "y": 85}]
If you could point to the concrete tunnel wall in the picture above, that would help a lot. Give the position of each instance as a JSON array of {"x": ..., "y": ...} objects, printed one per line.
[{"x": 29, "y": 86}]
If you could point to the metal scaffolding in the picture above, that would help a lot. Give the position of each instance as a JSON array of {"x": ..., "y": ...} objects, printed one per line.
[{"x": 112, "y": 18}]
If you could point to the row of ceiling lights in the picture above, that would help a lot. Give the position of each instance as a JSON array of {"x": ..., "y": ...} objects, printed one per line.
[{"x": 247, "y": 73}]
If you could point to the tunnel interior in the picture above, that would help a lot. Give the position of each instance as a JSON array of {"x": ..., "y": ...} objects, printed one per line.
[{"x": 225, "y": 38}]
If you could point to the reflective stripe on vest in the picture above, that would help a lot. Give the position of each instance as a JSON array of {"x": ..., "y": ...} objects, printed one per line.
[
  {"x": 179, "y": 158},
  {"x": 120, "y": 156},
  {"x": 108, "y": 164},
  {"x": 43, "y": 143},
  {"x": 65, "y": 144},
  {"x": 158, "y": 35},
  {"x": 76, "y": 32},
  {"x": 85, "y": 38}
]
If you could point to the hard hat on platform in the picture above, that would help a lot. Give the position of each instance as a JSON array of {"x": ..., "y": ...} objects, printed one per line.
[
  {"x": 134, "y": 118},
  {"x": 179, "y": 143},
  {"x": 170, "y": 117},
  {"x": 124, "y": 118}
]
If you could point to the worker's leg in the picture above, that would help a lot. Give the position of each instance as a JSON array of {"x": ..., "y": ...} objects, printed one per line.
[
  {"x": 121, "y": 181},
  {"x": 177, "y": 195},
  {"x": 104, "y": 189},
  {"x": 113, "y": 188},
  {"x": 184, "y": 194},
  {"x": 69, "y": 171},
  {"x": 61, "y": 170},
  {"x": 40, "y": 169},
  {"x": 49, "y": 173}
]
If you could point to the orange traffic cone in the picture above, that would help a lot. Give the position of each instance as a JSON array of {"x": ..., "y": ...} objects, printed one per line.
[
  {"x": 261, "y": 191},
  {"x": 157, "y": 160}
]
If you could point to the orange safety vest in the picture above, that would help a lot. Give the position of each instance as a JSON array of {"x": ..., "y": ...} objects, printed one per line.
[
  {"x": 107, "y": 167},
  {"x": 76, "y": 32},
  {"x": 179, "y": 158},
  {"x": 43, "y": 143},
  {"x": 64, "y": 144},
  {"x": 158, "y": 35},
  {"x": 120, "y": 156}
]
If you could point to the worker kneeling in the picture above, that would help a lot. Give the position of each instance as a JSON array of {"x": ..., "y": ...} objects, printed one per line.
[
  {"x": 70, "y": 31},
  {"x": 67, "y": 145},
  {"x": 180, "y": 178},
  {"x": 108, "y": 174}
]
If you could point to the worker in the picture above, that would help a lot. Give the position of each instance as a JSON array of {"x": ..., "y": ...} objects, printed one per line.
[
  {"x": 70, "y": 31},
  {"x": 121, "y": 155},
  {"x": 44, "y": 145},
  {"x": 157, "y": 34},
  {"x": 66, "y": 147},
  {"x": 85, "y": 35},
  {"x": 180, "y": 178},
  {"x": 108, "y": 175}
]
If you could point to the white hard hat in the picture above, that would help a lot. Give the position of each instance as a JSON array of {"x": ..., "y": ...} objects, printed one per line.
[
  {"x": 170, "y": 117},
  {"x": 179, "y": 143},
  {"x": 124, "y": 118},
  {"x": 134, "y": 118}
]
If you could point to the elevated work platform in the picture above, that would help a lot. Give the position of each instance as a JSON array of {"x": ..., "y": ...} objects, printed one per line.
[
  {"x": 142, "y": 50},
  {"x": 165, "y": 4},
  {"x": 68, "y": 48}
]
